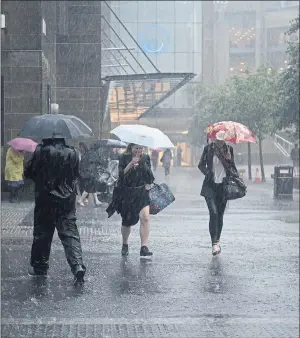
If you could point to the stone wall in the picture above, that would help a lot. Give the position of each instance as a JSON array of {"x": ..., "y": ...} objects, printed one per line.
[
  {"x": 78, "y": 60},
  {"x": 21, "y": 64}
]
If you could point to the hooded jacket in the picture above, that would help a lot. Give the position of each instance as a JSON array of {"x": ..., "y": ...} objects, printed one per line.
[{"x": 54, "y": 168}]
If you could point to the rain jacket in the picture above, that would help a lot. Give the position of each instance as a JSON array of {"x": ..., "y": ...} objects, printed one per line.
[
  {"x": 14, "y": 166},
  {"x": 167, "y": 158},
  {"x": 206, "y": 167},
  {"x": 54, "y": 168}
]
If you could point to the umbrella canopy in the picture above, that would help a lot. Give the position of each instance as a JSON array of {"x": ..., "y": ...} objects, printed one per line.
[
  {"x": 109, "y": 144},
  {"x": 142, "y": 135},
  {"x": 56, "y": 126},
  {"x": 230, "y": 131},
  {"x": 23, "y": 144}
]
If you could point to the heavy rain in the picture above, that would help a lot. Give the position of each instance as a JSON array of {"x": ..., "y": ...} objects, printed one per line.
[{"x": 149, "y": 169}]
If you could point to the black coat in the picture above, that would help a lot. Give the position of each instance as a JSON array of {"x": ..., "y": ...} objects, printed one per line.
[
  {"x": 206, "y": 167},
  {"x": 54, "y": 168},
  {"x": 90, "y": 163}
]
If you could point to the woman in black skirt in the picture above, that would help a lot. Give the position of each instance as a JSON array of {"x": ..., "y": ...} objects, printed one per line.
[{"x": 131, "y": 196}]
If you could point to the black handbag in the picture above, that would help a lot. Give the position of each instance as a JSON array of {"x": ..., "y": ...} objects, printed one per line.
[{"x": 233, "y": 188}]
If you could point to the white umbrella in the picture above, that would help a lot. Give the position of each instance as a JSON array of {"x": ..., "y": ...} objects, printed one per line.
[{"x": 145, "y": 136}]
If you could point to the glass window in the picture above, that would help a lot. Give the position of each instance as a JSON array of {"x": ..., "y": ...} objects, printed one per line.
[
  {"x": 184, "y": 38},
  {"x": 115, "y": 5},
  {"x": 277, "y": 37},
  {"x": 197, "y": 11},
  {"x": 165, "y": 62},
  {"x": 128, "y": 11},
  {"x": 197, "y": 64},
  {"x": 241, "y": 20},
  {"x": 147, "y": 11},
  {"x": 242, "y": 38},
  {"x": 184, "y": 62},
  {"x": 126, "y": 38},
  {"x": 146, "y": 63},
  {"x": 184, "y": 11},
  {"x": 239, "y": 63},
  {"x": 197, "y": 38},
  {"x": 156, "y": 38},
  {"x": 165, "y": 11}
]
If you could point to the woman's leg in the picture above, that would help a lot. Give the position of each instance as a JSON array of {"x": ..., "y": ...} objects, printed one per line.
[
  {"x": 125, "y": 231},
  {"x": 81, "y": 199},
  {"x": 144, "y": 231},
  {"x": 96, "y": 200},
  {"x": 221, "y": 206},
  {"x": 144, "y": 225},
  {"x": 213, "y": 223},
  {"x": 213, "y": 219}
]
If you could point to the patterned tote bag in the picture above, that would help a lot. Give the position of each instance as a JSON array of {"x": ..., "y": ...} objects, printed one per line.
[{"x": 160, "y": 197}]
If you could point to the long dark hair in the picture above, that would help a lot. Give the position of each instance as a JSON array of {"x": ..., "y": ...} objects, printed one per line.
[{"x": 128, "y": 150}]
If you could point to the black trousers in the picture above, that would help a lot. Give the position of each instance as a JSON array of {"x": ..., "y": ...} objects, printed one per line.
[
  {"x": 49, "y": 213},
  {"x": 14, "y": 193},
  {"x": 167, "y": 170},
  {"x": 216, "y": 206}
]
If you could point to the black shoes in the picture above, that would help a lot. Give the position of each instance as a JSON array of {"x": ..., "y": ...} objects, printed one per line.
[
  {"x": 36, "y": 273},
  {"x": 125, "y": 251},
  {"x": 78, "y": 275},
  {"x": 145, "y": 253}
]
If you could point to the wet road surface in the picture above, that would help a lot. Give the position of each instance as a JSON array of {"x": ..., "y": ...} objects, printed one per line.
[{"x": 250, "y": 290}]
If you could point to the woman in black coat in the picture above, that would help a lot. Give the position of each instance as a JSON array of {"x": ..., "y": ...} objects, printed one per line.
[
  {"x": 217, "y": 162},
  {"x": 131, "y": 196}
]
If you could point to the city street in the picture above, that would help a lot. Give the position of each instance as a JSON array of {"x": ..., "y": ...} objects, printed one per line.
[{"x": 250, "y": 290}]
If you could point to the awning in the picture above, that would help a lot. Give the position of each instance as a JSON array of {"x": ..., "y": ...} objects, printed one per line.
[{"x": 133, "y": 96}]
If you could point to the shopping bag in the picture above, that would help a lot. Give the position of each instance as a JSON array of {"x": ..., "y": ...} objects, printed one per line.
[{"x": 160, "y": 197}]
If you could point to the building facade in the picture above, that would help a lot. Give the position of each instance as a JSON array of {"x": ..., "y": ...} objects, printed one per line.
[
  {"x": 249, "y": 34},
  {"x": 170, "y": 33},
  {"x": 55, "y": 52}
]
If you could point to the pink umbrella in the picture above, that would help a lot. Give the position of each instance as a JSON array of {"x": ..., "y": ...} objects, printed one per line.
[{"x": 23, "y": 144}]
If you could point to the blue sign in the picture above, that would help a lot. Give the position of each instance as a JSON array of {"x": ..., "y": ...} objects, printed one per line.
[{"x": 153, "y": 38}]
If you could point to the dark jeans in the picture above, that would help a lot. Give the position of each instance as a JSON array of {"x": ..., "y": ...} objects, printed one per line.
[
  {"x": 14, "y": 193},
  {"x": 216, "y": 206},
  {"x": 51, "y": 213}
]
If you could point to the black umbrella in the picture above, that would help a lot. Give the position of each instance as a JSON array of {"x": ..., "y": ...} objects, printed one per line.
[
  {"x": 109, "y": 144},
  {"x": 56, "y": 126}
]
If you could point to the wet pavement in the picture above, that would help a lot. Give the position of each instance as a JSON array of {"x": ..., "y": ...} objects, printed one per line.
[{"x": 250, "y": 290}]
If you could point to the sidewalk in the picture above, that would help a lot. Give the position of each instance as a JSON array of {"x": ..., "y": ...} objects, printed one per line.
[{"x": 250, "y": 290}]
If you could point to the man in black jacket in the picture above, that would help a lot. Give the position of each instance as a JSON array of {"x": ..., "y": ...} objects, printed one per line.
[{"x": 54, "y": 168}]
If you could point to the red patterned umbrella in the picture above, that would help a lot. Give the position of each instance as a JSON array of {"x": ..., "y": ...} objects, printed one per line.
[{"x": 230, "y": 131}]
